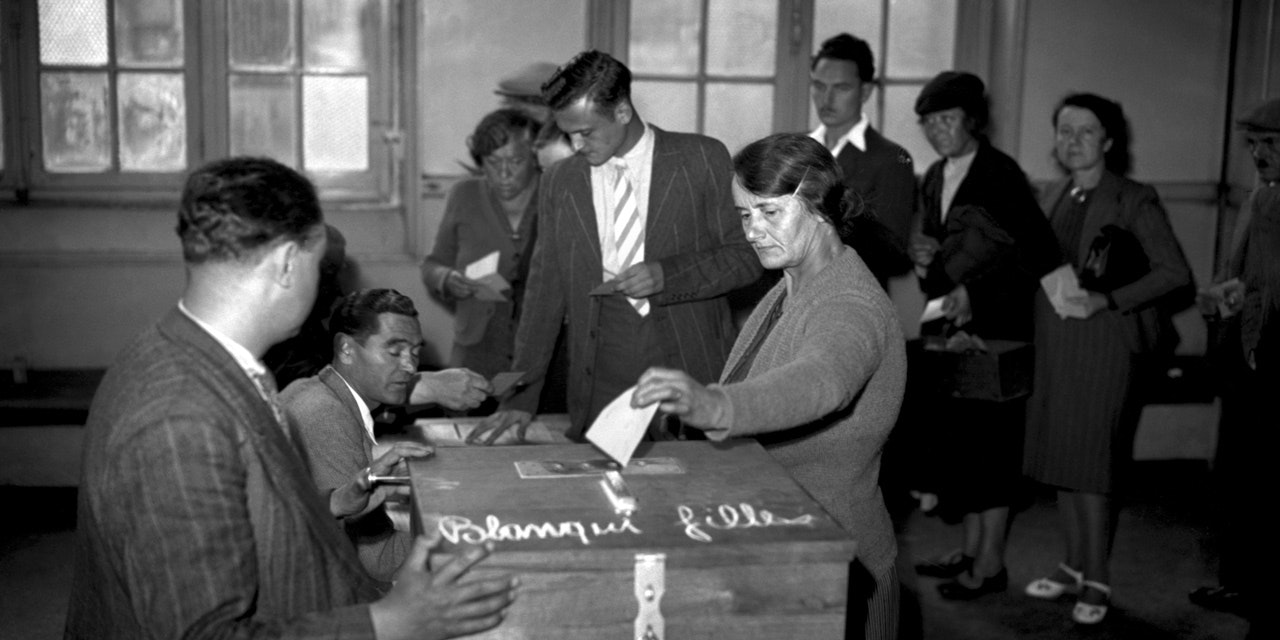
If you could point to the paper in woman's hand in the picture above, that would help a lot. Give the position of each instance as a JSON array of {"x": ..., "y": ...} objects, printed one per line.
[
  {"x": 1064, "y": 292},
  {"x": 485, "y": 272},
  {"x": 618, "y": 429}
]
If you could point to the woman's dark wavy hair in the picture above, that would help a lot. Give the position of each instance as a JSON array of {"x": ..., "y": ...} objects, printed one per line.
[
  {"x": 498, "y": 128},
  {"x": 1110, "y": 114},
  {"x": 787, "y": 163},
  {"x": 231, "y": 208}
]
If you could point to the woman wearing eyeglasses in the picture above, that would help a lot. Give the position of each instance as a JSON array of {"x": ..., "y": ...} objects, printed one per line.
[
  {"x": 981, "y": 246},
  {"x": 495, "y": 212}
]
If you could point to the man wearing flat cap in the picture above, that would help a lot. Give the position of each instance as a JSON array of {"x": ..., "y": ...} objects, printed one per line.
[
  {"x": 1243, "y": 311},
  {"x": 981, "y": 245},
  {"x": 522, "y": 89}
]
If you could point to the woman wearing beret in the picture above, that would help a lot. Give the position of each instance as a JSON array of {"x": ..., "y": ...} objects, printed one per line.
[
  {"x": 817, "y": 373},
  {"x": 981, "y": 245},
  {"x": 1084, "y": 410}
]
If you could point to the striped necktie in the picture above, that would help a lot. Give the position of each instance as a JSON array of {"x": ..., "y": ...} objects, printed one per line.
[{"x": 628, "y": 229}]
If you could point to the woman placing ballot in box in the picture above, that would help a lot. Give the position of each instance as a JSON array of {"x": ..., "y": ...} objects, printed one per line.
[
  {"x": 1083, "y": 409},
  {"x": 818, "y": 371},
  {"x": 481, "y": 255}
]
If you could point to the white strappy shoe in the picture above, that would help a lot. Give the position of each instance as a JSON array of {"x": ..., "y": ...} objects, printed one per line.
[
  {"x": 1085, "y": 613},
  {"x": 1050, "y": 589}
]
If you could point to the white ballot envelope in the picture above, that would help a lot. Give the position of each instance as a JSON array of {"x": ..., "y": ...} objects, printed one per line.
[
  {"x": 485, "y": 271},
  {"x": 1060, "y": 285},
  {"x": 618, "y": 429},
  {"x": 932, "y": 310}
]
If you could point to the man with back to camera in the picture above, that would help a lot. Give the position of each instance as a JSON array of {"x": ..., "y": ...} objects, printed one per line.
[
  {"x": 197, "y": 515},
  {"x": 638, "y": 245},
  {"x": 841, "y": 80},
  {"x": 376, "y": 343}
]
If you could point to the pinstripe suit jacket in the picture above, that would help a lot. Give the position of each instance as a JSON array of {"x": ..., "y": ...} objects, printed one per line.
[
  {"x": 324, "y": 414},
  {"x": 692, "y": 230},
  {"x": 197, "y": 514},
  {"x": 1136, "y": 208}
]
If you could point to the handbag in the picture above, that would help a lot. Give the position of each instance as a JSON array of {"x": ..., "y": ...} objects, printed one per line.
[{"x": 1115, "y": 259}]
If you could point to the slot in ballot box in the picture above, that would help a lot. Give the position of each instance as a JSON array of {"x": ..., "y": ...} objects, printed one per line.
[{"x": 691, "y": 540}]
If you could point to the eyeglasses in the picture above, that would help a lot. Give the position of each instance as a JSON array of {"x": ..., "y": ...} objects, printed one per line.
[
  {"x": 945, "y": 119},
  {"x": 499, "y": 165},
  {"x": 1264, "y": 143}
]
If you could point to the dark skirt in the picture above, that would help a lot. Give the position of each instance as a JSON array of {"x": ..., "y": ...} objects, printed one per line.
[{"x": 1084, "y": 407}]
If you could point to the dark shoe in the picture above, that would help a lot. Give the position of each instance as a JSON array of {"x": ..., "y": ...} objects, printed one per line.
[
  {"x": 948, "y": 566},
  {"x": 1219, "y": 598},
  {"x": 955, "y": 590}
]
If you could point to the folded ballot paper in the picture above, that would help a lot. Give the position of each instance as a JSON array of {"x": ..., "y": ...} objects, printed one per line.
[
  {"x": 485, "y": 272},
  {"x": 1064, "y": 292},
  {"x": 618, "y": 429}
]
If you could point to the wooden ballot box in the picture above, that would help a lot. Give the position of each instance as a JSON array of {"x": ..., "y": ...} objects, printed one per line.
[{"x": 691, "y": 540}]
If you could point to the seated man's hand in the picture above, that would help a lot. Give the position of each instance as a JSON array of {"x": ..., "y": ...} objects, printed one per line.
[
  {"x": 640, "y": 280},
  {"x": 361, "y": 495},
  {"x": 491, "y": 428},
  {"x": 438, "y": 605},
  {"x": 451, "y": 388},
  {"x": 679, "y": 394}
]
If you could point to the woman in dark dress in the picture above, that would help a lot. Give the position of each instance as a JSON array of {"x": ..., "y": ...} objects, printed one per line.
[
  {"x": 982, "y": 245},
  {"x": 1084, "y": 407}
]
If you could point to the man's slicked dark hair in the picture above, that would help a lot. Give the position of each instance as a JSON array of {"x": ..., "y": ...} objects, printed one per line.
[
  {"x": 848, "y": 47},
  {"x": 231, "y": 208},
  {"x": 356, "y": 314},
  {"x": 595, "y": 75}
]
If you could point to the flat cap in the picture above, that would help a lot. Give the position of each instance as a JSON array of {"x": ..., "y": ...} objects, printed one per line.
[
  {"x": 951, "y": 89},
  {"x": 1264, "y": 117},
  {"x": 527, "y": 82}
]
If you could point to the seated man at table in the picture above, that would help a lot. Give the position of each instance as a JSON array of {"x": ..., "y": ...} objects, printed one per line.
[{"x": 376, "y": 342}]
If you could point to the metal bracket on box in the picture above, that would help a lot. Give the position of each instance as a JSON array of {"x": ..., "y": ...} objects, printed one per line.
[{"x": 650, "y": 585}]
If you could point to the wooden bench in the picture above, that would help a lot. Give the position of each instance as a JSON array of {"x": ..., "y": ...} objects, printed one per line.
[{"x": 41, "y": 426}]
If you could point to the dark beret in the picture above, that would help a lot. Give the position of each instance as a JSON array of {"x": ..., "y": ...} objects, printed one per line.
[
  {"x": 1264, "y": 117},
  {"x": 527, "y": 81},
  {"x": 951, "y": 89}
]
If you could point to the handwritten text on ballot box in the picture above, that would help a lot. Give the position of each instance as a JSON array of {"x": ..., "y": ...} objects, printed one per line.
[{"x": 721, "y": 542}]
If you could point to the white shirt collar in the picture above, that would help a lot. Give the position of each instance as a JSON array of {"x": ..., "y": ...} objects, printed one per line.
[
  {"x": 856, "y": 136},
  {"x": 365, "y": 415},
  {"x": 959, "y": 165},
  {"x": 243, "y": 357},
  {"x": 640, "y": 153}
]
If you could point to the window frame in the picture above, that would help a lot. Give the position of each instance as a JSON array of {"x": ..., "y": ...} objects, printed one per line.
[{"x": 206, "y": 86}]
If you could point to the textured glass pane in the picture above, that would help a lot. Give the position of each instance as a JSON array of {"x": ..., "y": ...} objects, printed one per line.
[
  {"x": 262, "y": 34},
  {"x": 670, "y": 105},
  {"x": 75, "y": 127},
  {"x": 335, "y": 123},
  {"x": 149, "y": 33},
  {"x": 333, "y": 34},
  {"x": 153, "y": 122},
  {"x": 742, "y": 37},
  {"x": 73, "y": 32},
  {"x": 861, "y": 19},
  {"x": 750, "y": 118},
  {"x": 264, "y": 119},
  {"x": 901, "y": 126},
  {"x": 922, "y": 35},
  {"x": 664, "y": 36}
]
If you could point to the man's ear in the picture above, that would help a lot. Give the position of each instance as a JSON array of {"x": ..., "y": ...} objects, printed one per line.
[
  {"x": 623, "y": 112},
  {"x": 344, "y": 348},
  {"x": 282, "y": 260},
  {"x": 868, "y": 89}
]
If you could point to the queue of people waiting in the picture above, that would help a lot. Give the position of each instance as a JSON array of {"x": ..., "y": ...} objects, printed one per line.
[{"x": 621, "y": 243}]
